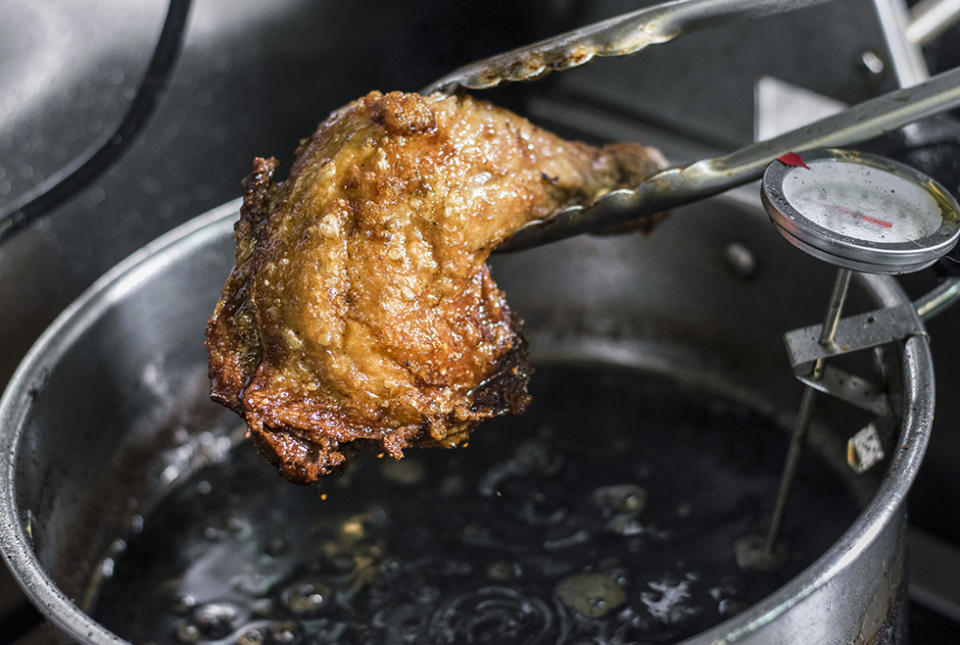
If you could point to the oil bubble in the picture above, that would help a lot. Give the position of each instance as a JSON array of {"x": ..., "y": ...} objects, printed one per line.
[
  {"x": 251, "y": 637},
  {"x": 262, "y": 607},
  {"x": 503, "y": 570},
  {"x": 215, "y": 620},
  {"x": 622, "y": 498},
  {"x": 284, "y": 632},
  {"x": 591, "y": 594},
  {"x": 183, "y": 604},
  {"x": 188, "y": 633},
  {"x": 305, "y": 598}
]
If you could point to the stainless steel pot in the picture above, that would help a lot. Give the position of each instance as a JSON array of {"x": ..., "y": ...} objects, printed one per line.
[{"x": 94, "y": 422}]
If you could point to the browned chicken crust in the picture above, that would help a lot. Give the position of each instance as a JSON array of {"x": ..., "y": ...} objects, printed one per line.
[{"x": 360, "y": 312}]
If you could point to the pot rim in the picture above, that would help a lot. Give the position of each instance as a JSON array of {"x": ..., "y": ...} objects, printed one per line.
[{"x": 918, "y": 396}]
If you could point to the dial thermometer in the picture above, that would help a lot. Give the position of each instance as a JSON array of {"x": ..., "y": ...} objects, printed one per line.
[{"x": 860, "y": 211}]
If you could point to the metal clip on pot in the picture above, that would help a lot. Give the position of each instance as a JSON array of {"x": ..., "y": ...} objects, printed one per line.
[{"x": 857, "y": 333}]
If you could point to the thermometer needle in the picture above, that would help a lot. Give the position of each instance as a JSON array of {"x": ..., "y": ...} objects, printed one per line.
[{"x": 873, "y": 220}]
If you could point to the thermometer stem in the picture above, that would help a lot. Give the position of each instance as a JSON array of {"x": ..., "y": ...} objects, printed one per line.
[
  {"x": 798, "y": 437},
  {"x": 834, "y": 309}
]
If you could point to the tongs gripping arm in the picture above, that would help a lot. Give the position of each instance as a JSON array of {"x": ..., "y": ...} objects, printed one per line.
[
  {"x": 617, "y": 36},
  {"x": 678, "y": 186}
]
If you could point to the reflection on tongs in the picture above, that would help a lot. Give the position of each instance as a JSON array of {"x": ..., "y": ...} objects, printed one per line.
[
  {"x": 683, "y": 185},
  {"x": 618, "y": 36},
  {"x": 632, "y": 32}
]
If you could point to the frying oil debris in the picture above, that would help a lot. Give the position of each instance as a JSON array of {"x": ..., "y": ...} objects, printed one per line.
[
  {"x": 582, "y": 544},
  {"x": 591, "y": 594}
]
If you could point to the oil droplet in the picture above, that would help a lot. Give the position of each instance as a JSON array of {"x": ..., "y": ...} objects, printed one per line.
[
  {"x": 502, "y": 570},
  {"x": 182, "y": 605},
  {"x": 251, "y": 637},
  {"x": 215, "y": 620},
  {"x": 188, "y": 633},
  {"x": 307, "y": 597},
  {"x": 623, "y": 498},
  {"x": 284, "y": 632},
  {"x": 591, "y": 594},
  {"x": 262, "y": 607}
]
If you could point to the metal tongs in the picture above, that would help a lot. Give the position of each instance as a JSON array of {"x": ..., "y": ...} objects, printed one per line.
[{"x": 632, "y": 32}]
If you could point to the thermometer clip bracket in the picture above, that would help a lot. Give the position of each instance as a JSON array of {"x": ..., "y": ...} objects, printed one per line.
[{"x": 854, "y": 333}]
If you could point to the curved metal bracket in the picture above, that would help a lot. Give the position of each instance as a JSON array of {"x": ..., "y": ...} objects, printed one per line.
[{"x": 854, "y": 334}]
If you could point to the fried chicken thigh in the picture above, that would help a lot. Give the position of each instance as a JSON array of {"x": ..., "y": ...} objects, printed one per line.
[{"x": 360, "y": 313}]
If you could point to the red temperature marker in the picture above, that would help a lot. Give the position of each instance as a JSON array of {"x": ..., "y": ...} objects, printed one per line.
[
  {"x": 873, "y": 220},
  {"x": 793, "y": 159}
]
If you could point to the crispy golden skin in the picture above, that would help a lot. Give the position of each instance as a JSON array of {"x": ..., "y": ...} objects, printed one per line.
[{"x": 360, "y": 312}]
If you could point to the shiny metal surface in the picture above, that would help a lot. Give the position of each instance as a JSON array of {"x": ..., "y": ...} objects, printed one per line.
[
  {"x": 123, "y": 281},
  {"x": 68, "y": 70},
  {"x": 858, "y": 332},
  {"x": 801, "y": 425},
  {"x": 819, "y": 48},
  {"x": 838, "y": 297},
  {"x": 81, "y": 419},
  {"x": 906, "y": 59},
  {"x": 854, "y": 333},
  {"x": 930, "y": 18},
  {"x": 858, "y": 253},
  {"x": 618, "y": 36},
  {"x": 851, "y": 388},
  {"x": 677, "y": 186},
  {"x": 84, "y": 167},
  {"x": 938, "y": 299}
]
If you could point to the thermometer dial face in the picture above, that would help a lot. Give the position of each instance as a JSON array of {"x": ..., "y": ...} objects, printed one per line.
[{"x": 861, "y": 212}]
